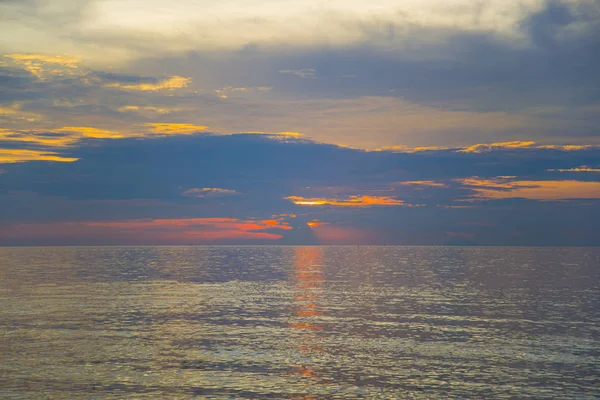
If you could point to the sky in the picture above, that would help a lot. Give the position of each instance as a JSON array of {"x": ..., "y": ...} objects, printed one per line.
[{"x": 415, "y": 122}]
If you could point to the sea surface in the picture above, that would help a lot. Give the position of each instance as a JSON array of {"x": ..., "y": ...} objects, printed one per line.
[{"x": 299, "y": 323}]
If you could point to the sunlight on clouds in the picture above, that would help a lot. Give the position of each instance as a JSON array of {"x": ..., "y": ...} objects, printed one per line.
[
  {"x": 180, "y": 230},
  {"x": 89, "y": 132},
  {"x": 147, "y": 109},
  {"x": 225, "y": 92},
  {"x": 407, "y": 149},
  {"x": 41, "y": 138},
  {"x": 568, "y": 147},
  {"x": 505, "y": 188},
  {"x": 175, "y": 129},
  {"x": 195, "y": 25},
  {"x": 480, "y": 148},
  {"x": 45, "y": 66},
  {"x": 8, "y": 156},
  {"x": 173, "y": 82},
  {"x": 14, "y": 112},
  {"x": 488, "y": 147},
  {"x": 351, "y": 201},
  {"x": 315, "y": 223},
  {"x": 72, "y": 135}
]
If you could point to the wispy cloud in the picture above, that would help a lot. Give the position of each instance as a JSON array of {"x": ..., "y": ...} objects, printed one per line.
[
  {"x": 425, "y": 183},
  {"x": 172, "y": 82},
  {"x": 227, "y": 91},
  {"x": 302, "y": 73},
  {"x": 147, "y": 109},
  {"x": 506, "y": 188},
  {"x": 481, "y": 148},
  {"x": 204, "y": 192},
  {"x": 21, "y": 155},
  {"x": 175, "y": 129},
  {"x": 583, "y": 168}
]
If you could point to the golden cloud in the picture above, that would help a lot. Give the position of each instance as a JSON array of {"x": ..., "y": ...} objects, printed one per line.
[
  {"x": 41, "y": 138},
  {"x": 43, "y": 66},
  {"x": 173, "y": 82},
  {"x": 89, "y": 132},
  {"x": 147, "y": 109},
  {"x": 480, "y": 148},
  {"x": 8, "y": 156},
  {"x": 175, "y": 129}
]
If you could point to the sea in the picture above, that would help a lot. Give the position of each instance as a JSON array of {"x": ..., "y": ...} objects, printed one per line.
[{"x": 276, "y": 322}]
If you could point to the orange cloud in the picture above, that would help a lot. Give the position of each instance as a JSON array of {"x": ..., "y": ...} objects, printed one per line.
[
  {"x": 173, "y": 82},
  {"x": 176, "y": 231},
  {"x": 315, "y": 224},
  {"x": 8, "y": 156},
  {"x": 499, "y": 188},
  {"x": 352, "y": 201}
]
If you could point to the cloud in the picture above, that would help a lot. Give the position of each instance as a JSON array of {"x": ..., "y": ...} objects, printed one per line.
[
  {"x": 488, "y": 147},
  {"x": 204, "y": 192},
  {"x": 172, "y": 82},
  {"x": 45, "y": 66},
  {"x": 23, "y": 155},
  {"x": 480, "y": 148},
  {"x": 191, "y": 25},
  {"x": 175, "y": 129},
  {"x": 506, "y": 188},
  {"x": 147, "y": 109},
  {"x": 351, "y": 201},
  {"x": 302, "y": 73},
  {"x": 353, "y": 195},
  {"x": 425, "y": 183},
  {"x": 227, "y": 91},
  {"x": 583, "y": 168},
  {"x": 181, "y": 230},
  {"x": 315, "y": 224}
]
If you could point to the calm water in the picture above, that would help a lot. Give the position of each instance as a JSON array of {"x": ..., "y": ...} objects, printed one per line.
[{"x": 299, "y": 323}]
